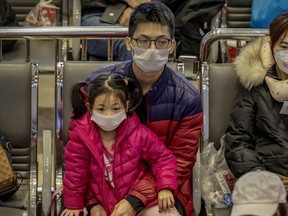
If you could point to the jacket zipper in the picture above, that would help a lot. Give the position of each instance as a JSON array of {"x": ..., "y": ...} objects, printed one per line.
[{"x": 147, "y": 109}]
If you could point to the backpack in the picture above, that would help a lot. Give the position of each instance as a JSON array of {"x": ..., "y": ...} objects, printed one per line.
[
  {"x": 192, "y": 21},
  {"x": 8, "y": 178}
]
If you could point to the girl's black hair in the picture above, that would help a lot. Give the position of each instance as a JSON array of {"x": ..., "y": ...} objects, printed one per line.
[{"x": 125, "y": 89}]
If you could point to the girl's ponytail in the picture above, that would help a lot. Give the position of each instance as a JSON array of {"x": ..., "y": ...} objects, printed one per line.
[{"x": 78, "y": 100}]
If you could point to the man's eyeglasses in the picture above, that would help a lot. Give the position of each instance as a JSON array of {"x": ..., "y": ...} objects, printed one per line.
[{"x": 144, "y": 43}]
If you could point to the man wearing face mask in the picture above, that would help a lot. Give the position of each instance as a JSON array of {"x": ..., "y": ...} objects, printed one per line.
[
  {"x": 171, "y": 105},
  {"x": 257, "y": 135}
]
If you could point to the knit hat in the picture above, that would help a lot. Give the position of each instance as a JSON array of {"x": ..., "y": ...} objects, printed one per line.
[{"x": 257, "y": 193}]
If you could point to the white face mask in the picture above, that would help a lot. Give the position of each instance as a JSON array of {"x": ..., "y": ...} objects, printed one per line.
[
  {"x": 278, "y": 89},
  {"x": 281, "y": 58},
  {"x": 150, "y": 60},
  {"x": 108, "y": 123}
]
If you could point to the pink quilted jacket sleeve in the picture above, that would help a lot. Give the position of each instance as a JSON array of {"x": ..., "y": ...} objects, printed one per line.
[
  {"x": 76, "y": 173},
  {"x": 162, "y": 162}
]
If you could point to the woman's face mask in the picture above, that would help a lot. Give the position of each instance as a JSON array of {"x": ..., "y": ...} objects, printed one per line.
[
  {"x": 150, "y": 60},
  {"x": 108, "y": 123},
  {"x": 281, "y": 58},
  {"x": 278, "y": 88}
]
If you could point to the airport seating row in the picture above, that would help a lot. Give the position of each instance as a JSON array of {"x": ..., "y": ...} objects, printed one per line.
[{"x": 19, "y": 117}]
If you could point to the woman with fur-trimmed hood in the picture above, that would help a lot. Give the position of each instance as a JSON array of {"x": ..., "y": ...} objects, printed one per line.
[{"x": 257, "y": 135}]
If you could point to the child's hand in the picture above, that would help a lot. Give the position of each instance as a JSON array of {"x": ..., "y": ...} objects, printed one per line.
[
  {"x": 165, "y": 200},
  {"x": 74, "y": 212}
]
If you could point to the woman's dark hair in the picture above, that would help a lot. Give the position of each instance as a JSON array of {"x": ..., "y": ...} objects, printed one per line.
[
  {"x": 125, "y": 89},
  {"x": 278, "y": 28},
  {"x": 154, "y": 12}
]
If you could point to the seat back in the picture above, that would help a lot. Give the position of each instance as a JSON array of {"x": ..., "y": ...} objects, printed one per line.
[
  {"x": 70, "y": 73},
  {"x": 238, "y": 13},
  {"x": 18, "y": 124},
  {"x": 219, "y": 93},
  {"x": 219, "y": 86},
  {"x": 222, "y": 96},
  {"x": 220, "y": 90}
]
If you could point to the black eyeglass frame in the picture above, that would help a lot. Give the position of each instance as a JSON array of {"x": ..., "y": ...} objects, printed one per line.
[{"x": 169, "y": 41}]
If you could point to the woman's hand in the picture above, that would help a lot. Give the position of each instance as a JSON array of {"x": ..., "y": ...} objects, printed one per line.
[
  {"x": 74, "y": 212},
  {"x": 98, "y": 210},
  {"x": 165, "y": 200},
  {"x": 123, "y": 208}
]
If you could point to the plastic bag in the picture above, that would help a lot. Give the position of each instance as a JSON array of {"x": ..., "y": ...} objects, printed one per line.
[
  {"x": 43, "y": 14},
  {"x": 218, "y": 181},
  {"x": 263, "y": 12}
]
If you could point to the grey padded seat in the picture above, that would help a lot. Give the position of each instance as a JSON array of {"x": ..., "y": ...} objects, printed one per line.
[
  {"x": 17, "y": 127},
  {"x": 238, "y": 13},
  {"x": 73, "y": 72},
  {"x": 223, "y": 92},
  {"x": 222, "y": 95}
]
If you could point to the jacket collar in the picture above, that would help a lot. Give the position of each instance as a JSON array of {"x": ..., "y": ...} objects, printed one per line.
[
  {"x": 88, "y": 129},
  {"x": 248, "y": 65},
  {"x": 158, "y": 84}
]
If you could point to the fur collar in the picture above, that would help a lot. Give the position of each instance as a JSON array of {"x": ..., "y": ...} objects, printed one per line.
[{"x": 250, "y": 65}]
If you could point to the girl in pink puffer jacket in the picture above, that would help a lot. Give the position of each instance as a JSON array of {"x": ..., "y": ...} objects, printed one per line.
[{"x": 108, "y": 151}]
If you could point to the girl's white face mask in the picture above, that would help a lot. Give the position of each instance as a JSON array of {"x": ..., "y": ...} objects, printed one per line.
[
  {"x": 150, "y": 60},
  {"x": 281, "y": 58},
  {"x": 108, "y": 123},
  {"x": 278, "y": 89}
]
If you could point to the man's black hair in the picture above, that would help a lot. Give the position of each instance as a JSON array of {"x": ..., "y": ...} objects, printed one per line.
[{"x": 152, "y": 12}]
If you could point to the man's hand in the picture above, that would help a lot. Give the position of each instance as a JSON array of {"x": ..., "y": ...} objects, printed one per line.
[
  {"x": 125, "y": 17},
  {"x": 74, "y": 212},
  {"x": 165, "y": 200},
  {"x": 123, "y": 208},
  {"x": 284, "y": 179},
  {"x": 98, "y": 210}
]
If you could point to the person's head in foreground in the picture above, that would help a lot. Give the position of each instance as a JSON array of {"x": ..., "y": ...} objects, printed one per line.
[{"x": 259, "y": 193}]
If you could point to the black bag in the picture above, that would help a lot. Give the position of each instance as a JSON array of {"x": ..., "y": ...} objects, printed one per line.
[
  {"x": 193, "y": 21},
  {"x": 7, "y": 18},
  {"x": 8, "y": 178}
]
